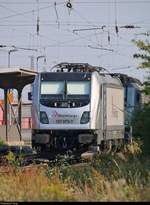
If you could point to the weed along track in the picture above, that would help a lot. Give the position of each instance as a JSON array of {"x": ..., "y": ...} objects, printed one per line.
[{"x": 26, "y": 159}]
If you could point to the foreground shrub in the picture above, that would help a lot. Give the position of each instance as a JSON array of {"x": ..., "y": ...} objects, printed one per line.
[{"x": 141, "y": 127}]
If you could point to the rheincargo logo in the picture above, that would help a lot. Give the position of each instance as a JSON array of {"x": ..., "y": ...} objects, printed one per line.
[{"x": 56, "y": 114}]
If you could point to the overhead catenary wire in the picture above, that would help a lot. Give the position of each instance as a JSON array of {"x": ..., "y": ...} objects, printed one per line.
[
  {"x": 80, "y": 22},
  {"x": 89, "y": 29},
  {"x": 90, "y": 23},
  {"x": 25, "y": 47},
  {"x": 73, "y": 40},
  {"x": 80, "y": 2},
  {"x": 29, "y": 12},
  {"x": 101, "y": 48},
  {"x": 67, "y": 41},
  {"x": 10, "y": 9},
  {"x": 73, "y": 24},
  {"x": 82, "y": 17},
  {"x": 85, "y": 20}
]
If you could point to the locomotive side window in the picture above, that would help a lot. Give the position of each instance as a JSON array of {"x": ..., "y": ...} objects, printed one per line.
[{"x": 137, "y": 97}]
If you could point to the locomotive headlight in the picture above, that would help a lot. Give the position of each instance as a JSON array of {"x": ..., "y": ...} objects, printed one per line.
[
  {"x": 44, "y": 118},
  {"x": 85, "y": 117}
]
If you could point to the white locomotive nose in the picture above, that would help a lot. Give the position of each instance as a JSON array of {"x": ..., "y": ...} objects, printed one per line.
[
  {"x": 76, "y": 107},
  {"x": 69, "y": 118}
]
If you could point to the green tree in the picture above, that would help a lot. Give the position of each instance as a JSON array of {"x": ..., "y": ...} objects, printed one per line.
[
  {"x": 144, "y": 56},
  {"x": 141, "y": 120},
  {"x": 144, "y": 47}
]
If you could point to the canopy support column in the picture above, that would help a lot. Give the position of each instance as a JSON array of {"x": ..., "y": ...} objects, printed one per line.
[
  {"x": 5, "y": 112},
  {"x": 19, "y": 110}
]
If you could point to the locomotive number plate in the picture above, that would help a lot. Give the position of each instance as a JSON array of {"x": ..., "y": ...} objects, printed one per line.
[{"x": 64, "y": 121}]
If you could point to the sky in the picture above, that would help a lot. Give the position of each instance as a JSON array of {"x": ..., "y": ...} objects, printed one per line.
[{"x": 47, "y": 32}]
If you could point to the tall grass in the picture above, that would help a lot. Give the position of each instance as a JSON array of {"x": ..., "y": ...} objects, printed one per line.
[
  {"x": 32, "y": 185},
  {"x": 123, "y": 176}
]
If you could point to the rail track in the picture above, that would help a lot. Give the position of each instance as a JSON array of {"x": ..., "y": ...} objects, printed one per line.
[{"x": 25, "y": 157}]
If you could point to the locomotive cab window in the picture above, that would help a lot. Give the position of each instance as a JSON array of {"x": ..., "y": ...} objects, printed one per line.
[
  {"x": 52, "y": 88},
  {"x": 78, "y": 89},
  {"x": 65, "y": 93}
]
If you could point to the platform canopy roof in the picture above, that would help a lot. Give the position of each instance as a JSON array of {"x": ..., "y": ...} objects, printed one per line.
[{"x": 16, "y": 78}]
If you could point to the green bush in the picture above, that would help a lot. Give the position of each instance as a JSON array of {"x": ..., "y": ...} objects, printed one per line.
[
  {"x": 141, "y": 127},
  {"x": 2, "y": 143},
  {"x": 14, "y": 160}
]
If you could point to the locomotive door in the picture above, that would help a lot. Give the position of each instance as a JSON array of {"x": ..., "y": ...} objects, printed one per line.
[{"x": 113, "y": 108}]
